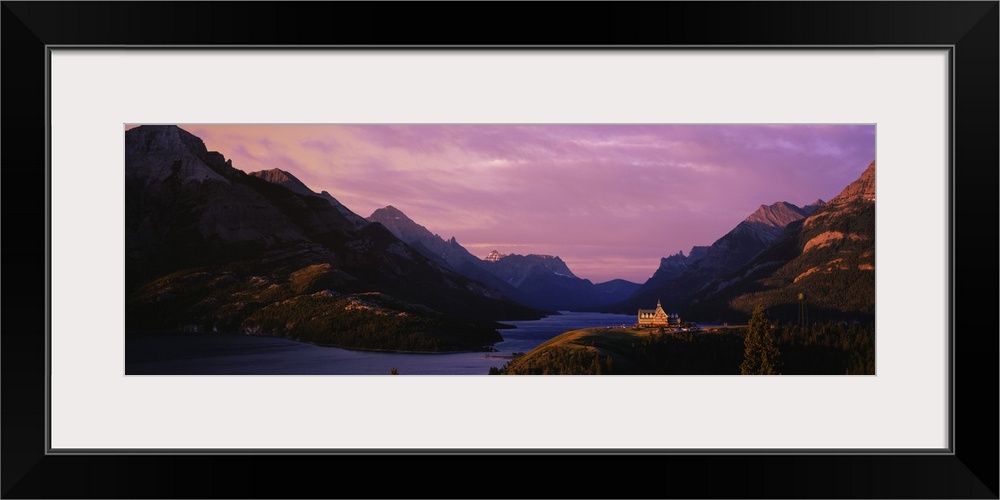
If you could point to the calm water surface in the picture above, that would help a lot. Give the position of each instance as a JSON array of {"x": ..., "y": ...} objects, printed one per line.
[{"x": 215, "y": 354}]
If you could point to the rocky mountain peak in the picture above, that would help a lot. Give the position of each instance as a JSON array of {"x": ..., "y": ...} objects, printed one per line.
[
  {"x": 404, "y": 227},
  {"x": 679, "y": 256},
  {"x": 678, "y": 260},
  {"x": 673, "y": 265},
  {"x": 778, "y": 214},
  {"x": 861, "y": 189},
  {"x": 494, "y": 256},
  {"x": 275, "y": 175},
  {"x": 163, "y": 139},
  {"x": 283, "y": 178},
  {"x": 157, "y": 152},
  {"x": 391, "y": 215}
]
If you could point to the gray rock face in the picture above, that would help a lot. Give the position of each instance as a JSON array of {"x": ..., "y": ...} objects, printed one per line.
[
  {"x": 175, "y": 182},
  {"x": 160, "y": 152}
]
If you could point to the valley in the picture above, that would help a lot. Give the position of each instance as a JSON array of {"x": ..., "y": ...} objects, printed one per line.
[{"x": 212, "y": 250}]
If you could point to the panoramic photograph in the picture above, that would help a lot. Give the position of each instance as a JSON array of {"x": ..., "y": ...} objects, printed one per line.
[{"x": 468, "y": 249}]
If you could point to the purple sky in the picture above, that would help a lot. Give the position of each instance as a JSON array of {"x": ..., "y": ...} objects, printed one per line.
[{"x": 611, "y": 200}]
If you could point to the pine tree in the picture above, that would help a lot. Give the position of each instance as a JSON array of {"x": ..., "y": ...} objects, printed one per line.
[{"x": 760, "y": 353}]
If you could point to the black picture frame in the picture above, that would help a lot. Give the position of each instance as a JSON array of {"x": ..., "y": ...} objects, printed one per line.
[{"x": 969, "y": 28}]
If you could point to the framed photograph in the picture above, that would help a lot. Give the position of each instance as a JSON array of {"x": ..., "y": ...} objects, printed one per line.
[
  {"x": 351, "y": 216},
  {"x": 552, "y": 267}
]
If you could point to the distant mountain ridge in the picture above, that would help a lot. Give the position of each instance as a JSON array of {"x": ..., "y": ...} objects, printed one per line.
[
  {"x": 494, "y": 256},
  {"x": 545, "y": 281},
  {"x": 674, "y": 265},
  {"x": 539, "y": 281},
  {"x": 679, "y": 278},
  {"x": 515, "y": 269},
  {"x": 449, "y": 254}
]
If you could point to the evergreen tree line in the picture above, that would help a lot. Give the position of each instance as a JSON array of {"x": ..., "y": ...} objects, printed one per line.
[
  {"x": 831, "y": 347},
  {"x": 565, "y": 361}
]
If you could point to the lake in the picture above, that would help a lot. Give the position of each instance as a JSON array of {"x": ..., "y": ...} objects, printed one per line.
[{"x": 183, "y": 353}]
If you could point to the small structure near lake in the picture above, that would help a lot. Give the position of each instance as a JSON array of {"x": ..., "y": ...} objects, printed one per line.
[{"x": 658, "y": 317}]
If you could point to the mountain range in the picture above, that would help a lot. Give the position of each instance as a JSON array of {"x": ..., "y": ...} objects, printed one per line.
[
  {"x": 211, "y": 248},
  {"x": 678, "y": 278},
  {"x": 823, "y": 251},
  {"x": 545, "y": 281},
  {"x": 824, "y": 262},
  {"x": 538, "y": 281},
  {"x": 447, "y": 253}
]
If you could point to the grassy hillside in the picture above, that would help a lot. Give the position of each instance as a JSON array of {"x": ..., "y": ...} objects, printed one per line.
[
  {"x": 300, "y": 304},
  {"x": 620, "y": 351},
  {"x": 819, "y": 349}
]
